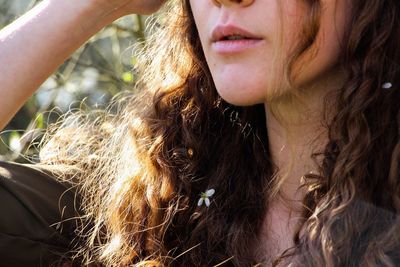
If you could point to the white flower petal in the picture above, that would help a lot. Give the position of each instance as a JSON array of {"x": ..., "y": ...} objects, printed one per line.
[
  {"x": 200, "y": 202},
  {"x": 207, "y": 201},
  {"x": 387, "y": 85},
  {"x": 210, "y": 192}
]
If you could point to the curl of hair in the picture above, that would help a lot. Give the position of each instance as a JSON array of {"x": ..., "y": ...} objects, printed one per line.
[{"x": 143, "y": 166}]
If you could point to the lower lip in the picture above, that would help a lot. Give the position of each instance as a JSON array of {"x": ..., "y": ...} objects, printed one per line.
[{"x": 235, "y": 46}]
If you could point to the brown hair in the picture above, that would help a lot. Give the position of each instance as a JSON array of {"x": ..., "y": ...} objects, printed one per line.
[{"x": 142, "y": 169}]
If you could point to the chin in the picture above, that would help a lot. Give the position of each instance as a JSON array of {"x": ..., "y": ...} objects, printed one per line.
[{"x": 241, "y": 95}]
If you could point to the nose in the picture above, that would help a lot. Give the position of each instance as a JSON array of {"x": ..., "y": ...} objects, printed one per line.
[{"x": 233, "y": 2}]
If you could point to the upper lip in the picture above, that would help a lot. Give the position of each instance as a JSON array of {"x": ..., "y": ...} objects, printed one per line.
[{"x": 222, "y": 31}]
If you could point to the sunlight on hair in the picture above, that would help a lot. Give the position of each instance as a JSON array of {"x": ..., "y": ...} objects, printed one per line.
[{"x": 113, "y": 246}]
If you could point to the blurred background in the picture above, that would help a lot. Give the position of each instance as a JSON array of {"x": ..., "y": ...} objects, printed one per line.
[{"x": 96, "y": 72}]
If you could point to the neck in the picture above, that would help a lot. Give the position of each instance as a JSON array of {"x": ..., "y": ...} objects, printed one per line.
[{"x": 296, "y": 129}]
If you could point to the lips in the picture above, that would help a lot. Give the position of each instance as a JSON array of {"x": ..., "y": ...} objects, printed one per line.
[
  {"x": 229, "y": 39},
  {"x": 223, "y": 32}
]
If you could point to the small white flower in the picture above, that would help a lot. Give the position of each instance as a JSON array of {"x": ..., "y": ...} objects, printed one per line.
[
  {"x": 387, "y": 85},
  {"x": 205, "y": 197}
]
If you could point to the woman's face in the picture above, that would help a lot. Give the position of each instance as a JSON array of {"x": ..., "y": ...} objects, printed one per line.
[{"x": 246, "y": 44}]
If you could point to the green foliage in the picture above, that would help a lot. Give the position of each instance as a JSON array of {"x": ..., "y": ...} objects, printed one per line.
[{"x": 96, "y": 72}]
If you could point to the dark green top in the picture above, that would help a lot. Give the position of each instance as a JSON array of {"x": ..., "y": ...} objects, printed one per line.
[{"x": 38, "y": 217}]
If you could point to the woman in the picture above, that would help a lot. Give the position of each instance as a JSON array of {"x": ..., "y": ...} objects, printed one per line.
[{"x": 267, "y": 134}]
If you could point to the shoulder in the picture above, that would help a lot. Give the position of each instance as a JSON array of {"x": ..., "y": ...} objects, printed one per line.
[{"x": 38, "y": 215}]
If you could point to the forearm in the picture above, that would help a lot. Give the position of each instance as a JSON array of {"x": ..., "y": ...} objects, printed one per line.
[{"x": 33, "y": 47}]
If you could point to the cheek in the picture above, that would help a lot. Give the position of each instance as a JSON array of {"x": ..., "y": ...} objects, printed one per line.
[
  {"x": 201, "y": 12},
  {"x": 323, "y": 56}
]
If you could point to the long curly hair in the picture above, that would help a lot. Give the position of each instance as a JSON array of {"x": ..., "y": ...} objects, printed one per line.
[{"x": 144, "y": 162}]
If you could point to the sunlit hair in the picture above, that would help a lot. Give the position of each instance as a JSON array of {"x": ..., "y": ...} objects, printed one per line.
[{"x": 143, "y": 164}]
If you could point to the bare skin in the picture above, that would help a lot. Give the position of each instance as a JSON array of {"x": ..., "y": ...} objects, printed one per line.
[{"x": 32, "y": 47}]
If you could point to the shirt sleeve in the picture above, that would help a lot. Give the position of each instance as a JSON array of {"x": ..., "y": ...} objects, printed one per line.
[{"x": 39, "y": 217}]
